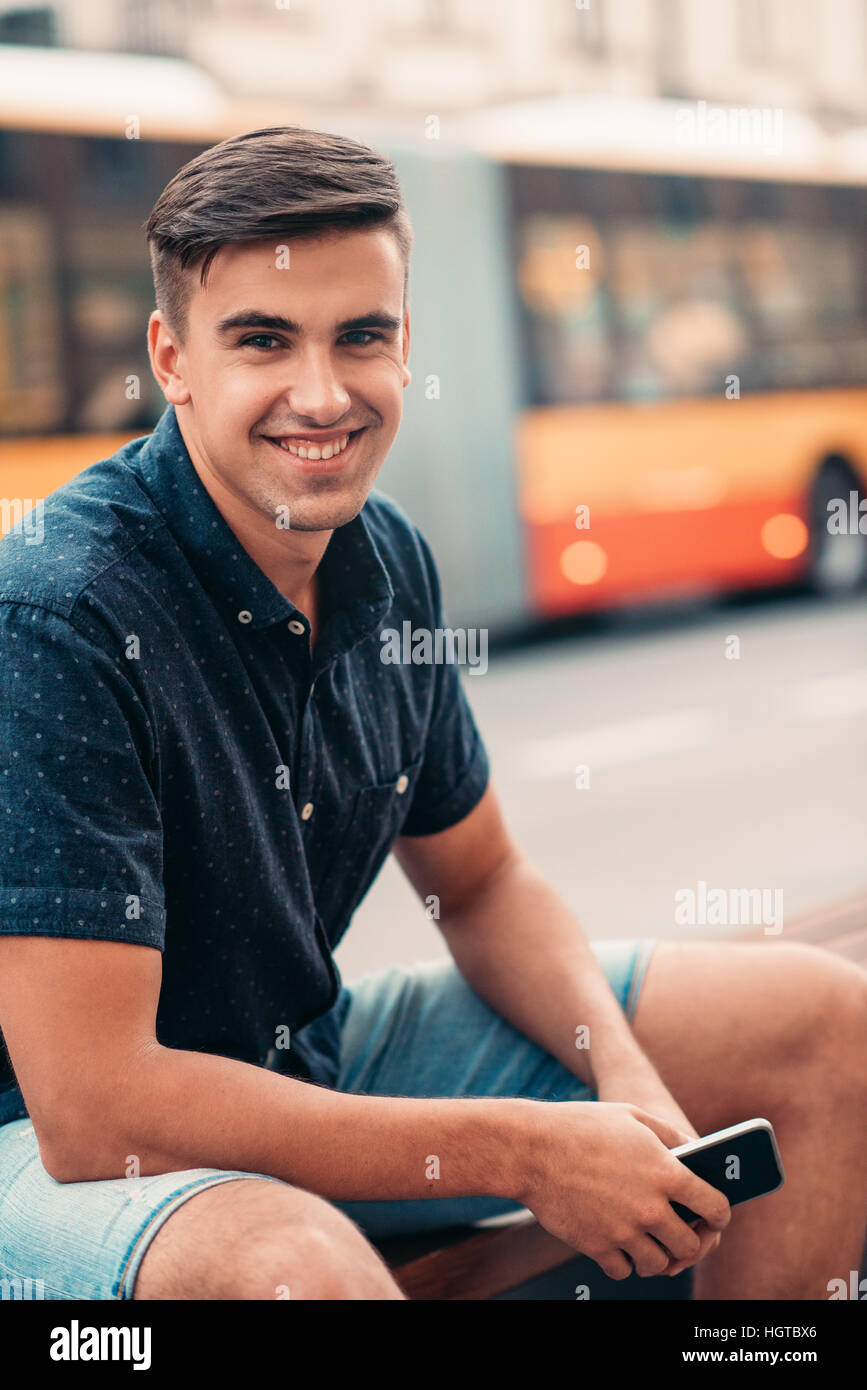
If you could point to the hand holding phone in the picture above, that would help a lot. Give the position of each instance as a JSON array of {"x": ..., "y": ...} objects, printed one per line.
[{"x": 742, "y": 1162}]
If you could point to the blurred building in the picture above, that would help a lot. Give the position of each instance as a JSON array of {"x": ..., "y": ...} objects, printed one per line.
[
  {"x": 580, "y": 250},
  {"x": 410, "y": 58}
]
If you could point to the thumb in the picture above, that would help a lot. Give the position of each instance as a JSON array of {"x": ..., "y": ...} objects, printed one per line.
[{"x": 671, "y": 1136}]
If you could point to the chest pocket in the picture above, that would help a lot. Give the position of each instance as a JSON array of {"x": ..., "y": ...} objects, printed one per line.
[{"x": 373, "y": 825}]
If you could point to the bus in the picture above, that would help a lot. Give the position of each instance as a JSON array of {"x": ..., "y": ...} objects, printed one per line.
[{"x": 639, "y": 361}]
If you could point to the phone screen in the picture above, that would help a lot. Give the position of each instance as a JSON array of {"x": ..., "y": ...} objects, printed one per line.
[{"x": 740, "y": 1168}]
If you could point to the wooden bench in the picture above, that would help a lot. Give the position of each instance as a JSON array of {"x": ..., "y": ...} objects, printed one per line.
[{"x": 494, "y": 1259}]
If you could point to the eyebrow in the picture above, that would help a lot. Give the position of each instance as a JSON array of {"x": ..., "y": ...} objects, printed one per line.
[{"x": 275, "y": 323}]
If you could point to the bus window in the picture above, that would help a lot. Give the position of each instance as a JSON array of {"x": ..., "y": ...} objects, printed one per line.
[
  {"x": 560, "y": 281},
  {"x": 806, "y": 296},
  {"x": 75, "y": 281},
  {"x": 31, "y": 374},
  {"x": 682, "y": 329},
  {"x": 111, "y": 299}
]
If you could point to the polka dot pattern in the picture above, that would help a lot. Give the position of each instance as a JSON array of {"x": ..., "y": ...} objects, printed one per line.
[{"x": 178, "y": 769}]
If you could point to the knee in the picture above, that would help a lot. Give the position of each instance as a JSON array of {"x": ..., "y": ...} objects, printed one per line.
[
  {"x": 832, "y": 1019},
  {"x": 261, "y": 1240},
  {"x": 324, "y": 1262},
  {"x": 846, "y": 1032}
]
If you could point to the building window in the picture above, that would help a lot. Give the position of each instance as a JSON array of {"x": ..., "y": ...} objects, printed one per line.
[
  {"x": 753, "y": 30},
  {"x": 669, "y": 48},
  {"x": 590, "y": 33},
  {"x": 435, "y": 16}
]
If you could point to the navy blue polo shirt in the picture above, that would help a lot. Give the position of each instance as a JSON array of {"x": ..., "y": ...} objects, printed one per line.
[{"x": 178, "y": 770}]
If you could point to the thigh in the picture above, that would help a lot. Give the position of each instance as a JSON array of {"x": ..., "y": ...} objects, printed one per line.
[
  {"x": 726, "y": 1023},
  {"x": 422, "y": 1031},
  {"x": 81, "y": 1240}
]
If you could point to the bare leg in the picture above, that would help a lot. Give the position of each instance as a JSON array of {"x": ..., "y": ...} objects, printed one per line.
[
  {"x": 779, "y": 1030},
  {"x": 254, "y": 1239}
]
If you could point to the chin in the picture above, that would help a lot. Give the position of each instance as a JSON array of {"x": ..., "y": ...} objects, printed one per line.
[{"x": 326, "y": 515}]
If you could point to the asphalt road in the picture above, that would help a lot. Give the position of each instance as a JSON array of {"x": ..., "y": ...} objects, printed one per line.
[{"x": 741, "y": 774}]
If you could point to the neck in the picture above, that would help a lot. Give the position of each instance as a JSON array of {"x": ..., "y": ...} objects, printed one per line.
[{"x": 289, "y": 558}]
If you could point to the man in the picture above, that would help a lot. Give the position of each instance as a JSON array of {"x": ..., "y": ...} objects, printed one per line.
[{"x": 205, "y": 763}]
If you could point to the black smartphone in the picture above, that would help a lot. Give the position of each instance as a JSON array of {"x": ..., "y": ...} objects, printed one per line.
[{"x": 743, "y": 1162}]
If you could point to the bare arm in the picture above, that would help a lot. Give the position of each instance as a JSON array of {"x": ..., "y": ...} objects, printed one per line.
[
  {"x": 79, "y": 1022},
  {"x": 518, "y": 945},
  {"x": 520, "y": 948},
  {"x": 108, "y": 1101}
]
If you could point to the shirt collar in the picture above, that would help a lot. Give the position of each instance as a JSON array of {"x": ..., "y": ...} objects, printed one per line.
[{"x": 355, "y": 588}]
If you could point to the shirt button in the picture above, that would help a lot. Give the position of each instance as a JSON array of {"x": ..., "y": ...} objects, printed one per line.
[
  {"x": 402, "y": 783},
  {"x": 295, "y": 626},
  {"x": 244, "y": 616},
  {"x": 307, "y": 811}
]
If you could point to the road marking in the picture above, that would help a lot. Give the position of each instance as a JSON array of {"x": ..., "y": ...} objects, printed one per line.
[
  {"x": 841, "y": 696},
  {"x": 555, "y": 757},
  {"x": 619, "y": 743}
]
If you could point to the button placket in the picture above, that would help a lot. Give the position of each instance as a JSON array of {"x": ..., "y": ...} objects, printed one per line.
[
  {"x": 303, "y": 753},
  {"x": 306, "y": 759}
]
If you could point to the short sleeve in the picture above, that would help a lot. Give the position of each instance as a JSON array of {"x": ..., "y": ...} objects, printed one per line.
[
  {"x": 455, "y": 767},
  {"x": 81, "y": 842}
]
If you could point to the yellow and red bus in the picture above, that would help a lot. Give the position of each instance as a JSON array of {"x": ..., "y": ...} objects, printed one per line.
[
  {"x": 639, "y": 363},
  {"x": 694, "y": 331}
]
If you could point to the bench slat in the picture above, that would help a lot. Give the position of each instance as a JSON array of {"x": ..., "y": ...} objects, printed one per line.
[{"x": 488, "y": 1262}]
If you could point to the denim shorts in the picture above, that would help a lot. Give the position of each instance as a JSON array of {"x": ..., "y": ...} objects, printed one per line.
[{"x": 413, "y": 1031}]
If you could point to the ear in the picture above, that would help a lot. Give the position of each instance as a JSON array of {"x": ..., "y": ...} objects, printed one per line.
[{"x": 164, "y": 360}]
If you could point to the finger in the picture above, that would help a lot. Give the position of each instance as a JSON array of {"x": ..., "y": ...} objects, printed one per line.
[
  {"x": 648, "y": 1257},
  {"x": 615, "y": 1263},
  {"x": 709, "y": 1240},
  {"x": 678, "y": 1238},
  {"x": 706, "y": 1201},
  {"x": 671, "y": 1137}
]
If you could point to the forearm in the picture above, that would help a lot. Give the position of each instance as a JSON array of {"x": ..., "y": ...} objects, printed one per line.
[
  {"x": 522, "y": 949},
  {"x": 175, "y": 1110}
]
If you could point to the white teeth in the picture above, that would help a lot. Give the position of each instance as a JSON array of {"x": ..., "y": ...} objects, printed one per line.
[{"x": 326, "y": 451}]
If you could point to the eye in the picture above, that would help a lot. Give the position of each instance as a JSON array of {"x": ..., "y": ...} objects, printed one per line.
[
  {"x": 365, "y": 333},
  {"x": 260, "y": 337}
]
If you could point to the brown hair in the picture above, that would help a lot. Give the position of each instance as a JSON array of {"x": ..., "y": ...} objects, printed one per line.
[{"x": 275, "y": 182}]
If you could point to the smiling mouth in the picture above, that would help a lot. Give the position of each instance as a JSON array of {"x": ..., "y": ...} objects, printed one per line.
[
  {"x": 317, "y": 457},
  {"x": 324, "y": 448}
]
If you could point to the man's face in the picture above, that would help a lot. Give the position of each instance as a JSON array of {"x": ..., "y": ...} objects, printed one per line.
[{"x": 334, "y": 367}]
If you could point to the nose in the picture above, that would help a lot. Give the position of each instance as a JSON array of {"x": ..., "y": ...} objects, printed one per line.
[{"x": 316, "y": 393}]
